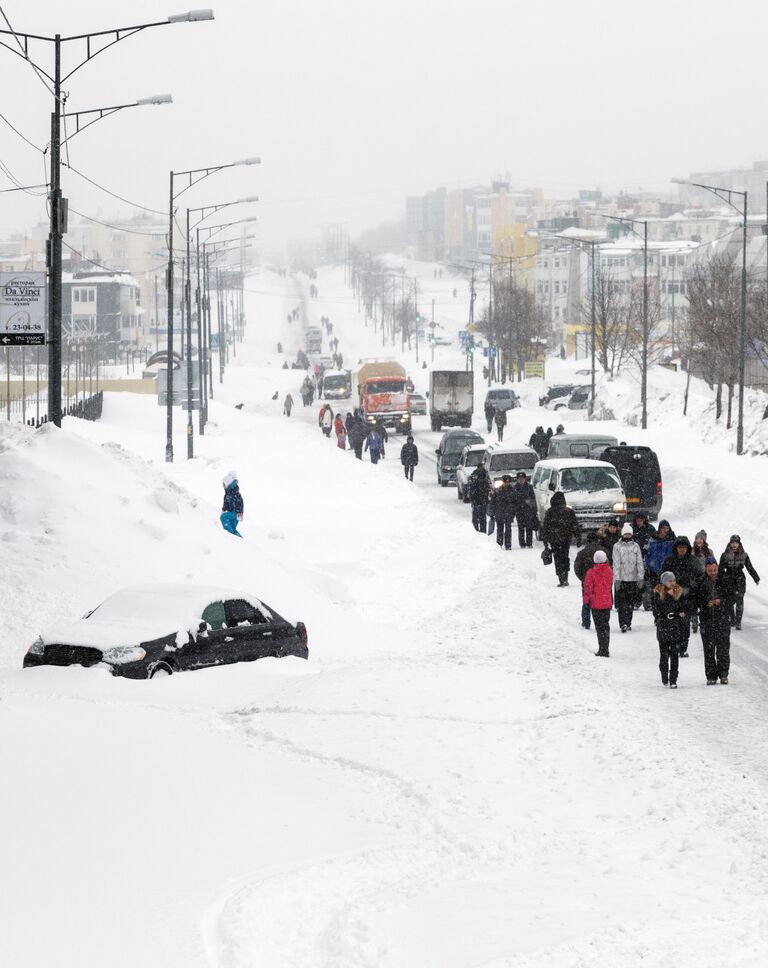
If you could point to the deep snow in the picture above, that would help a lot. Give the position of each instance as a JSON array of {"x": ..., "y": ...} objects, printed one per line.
[{"x": 451, "y": 780}]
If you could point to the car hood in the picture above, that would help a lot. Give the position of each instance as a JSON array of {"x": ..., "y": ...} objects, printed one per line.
[{"x": 108, "y": 634}]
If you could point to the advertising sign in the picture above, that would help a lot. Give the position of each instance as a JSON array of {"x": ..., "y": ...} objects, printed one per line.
[
  {"x": 22, "y": 308},
  {"x": 536, "y": 368}
]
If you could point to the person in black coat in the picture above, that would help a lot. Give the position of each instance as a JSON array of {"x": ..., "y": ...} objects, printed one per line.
[
  {"x": 733, "y": 562},
  {"x": 479, "y": 488},
  {"x": 503, "y": 510},
  {"x": 610, "y": 536},
  {"x": 670, "y": 612},
  {"x": 525, "y": 510},
  {"x": 559, "y": 527},
  {"x": 409, "y": 457},
  {"x": 357, "y": 435},
  {"x": 715, "y": 597},
  {"x": 687, "y": 570},
  {"x": 642, "y": 531}
]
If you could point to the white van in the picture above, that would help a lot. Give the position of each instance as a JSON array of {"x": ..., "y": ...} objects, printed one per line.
[
  {"x": 503, "y": 459},
  {"x": 591, "y": 487}
]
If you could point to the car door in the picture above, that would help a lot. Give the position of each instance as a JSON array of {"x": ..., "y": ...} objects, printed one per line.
[
  {"x": 254, "y": 635},
  {"x": 214, "y": 643}
]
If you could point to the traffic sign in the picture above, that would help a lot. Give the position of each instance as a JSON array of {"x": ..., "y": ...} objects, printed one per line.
[
  {"x": 472, "y": 328},
  {"x": 179, "y": 387},
  {"x": 535, "y": 368},
  {"x": 489, "y": 351},
  {"x": 22, "y": 308}
]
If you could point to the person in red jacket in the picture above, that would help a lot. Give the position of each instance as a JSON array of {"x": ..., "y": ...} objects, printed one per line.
[
  {"x": 341, "y": 432},
  {"x": 598, "y": 594}
]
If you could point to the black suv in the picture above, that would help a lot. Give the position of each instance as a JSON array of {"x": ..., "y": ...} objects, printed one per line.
[
  {"x": 640, "y": 475},
  {"x": 449, "y": 453}
]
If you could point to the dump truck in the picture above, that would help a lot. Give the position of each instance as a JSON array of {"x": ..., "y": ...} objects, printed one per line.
[
  {"x": 451, "y": 398},
  {"x": 382, "y": 394}
]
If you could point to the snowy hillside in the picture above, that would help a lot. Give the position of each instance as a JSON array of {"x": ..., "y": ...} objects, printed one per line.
[{"x": 451, "y": 780}]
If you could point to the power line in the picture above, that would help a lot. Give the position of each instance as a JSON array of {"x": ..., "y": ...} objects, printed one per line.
[
  {"x": 25, "y": 56},
  {"x": 127, "y": 201},
  {"x": 109, "y": 225},
  {"x": 22, "y": 136}
]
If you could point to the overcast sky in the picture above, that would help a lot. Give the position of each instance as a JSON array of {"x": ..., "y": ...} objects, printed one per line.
[{"x": 353, "y": 105}]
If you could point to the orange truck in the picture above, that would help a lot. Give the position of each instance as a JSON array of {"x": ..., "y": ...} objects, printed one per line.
[{"x": 382, "y": 394}]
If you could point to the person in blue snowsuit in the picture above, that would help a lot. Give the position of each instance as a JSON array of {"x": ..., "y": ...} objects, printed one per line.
[
  {"x": 232, "y": 508},
  {"x": 658, "y": 549},
  {"x": 374, "y": 445}
]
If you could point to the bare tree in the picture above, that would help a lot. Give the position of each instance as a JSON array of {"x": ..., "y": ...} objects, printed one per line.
[{"x": 616, "y": 319}]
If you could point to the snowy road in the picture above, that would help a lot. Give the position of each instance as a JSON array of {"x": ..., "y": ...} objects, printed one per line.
[{"x": 451, "y": 781}]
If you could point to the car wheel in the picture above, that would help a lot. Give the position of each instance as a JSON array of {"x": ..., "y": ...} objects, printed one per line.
[{"x": 160, "y": 670}]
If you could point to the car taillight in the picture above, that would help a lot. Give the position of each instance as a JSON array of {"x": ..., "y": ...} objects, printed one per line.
[
  {"x": 658, "y": 488},
  {"x": 301, "y": 628}
]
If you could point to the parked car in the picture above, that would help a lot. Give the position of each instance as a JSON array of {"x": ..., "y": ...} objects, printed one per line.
[
  {"x": 579, "y": 399},
  {"x": 503, "y": 398},
  {"x": 471, "y": 457},
  {"x": 150, "y": 630},
  {"x": 579, "y": 445},
  {"x": 509, "y": 459},
  {"x": 448, "y": 453},
  {"x": 591, "y": 487},
  {"x": 418, "y": 405},
  {"x": 556, "y": 393},
  {"x": 640, "y": 474}
]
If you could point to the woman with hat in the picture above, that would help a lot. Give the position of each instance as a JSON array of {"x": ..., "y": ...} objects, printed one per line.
[
  {"x": 670, "y": 612},
  {"x": 733, "y": 561}
]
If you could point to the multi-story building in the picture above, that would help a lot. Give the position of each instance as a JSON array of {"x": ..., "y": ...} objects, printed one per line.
[{"x": 103, "y": 303}]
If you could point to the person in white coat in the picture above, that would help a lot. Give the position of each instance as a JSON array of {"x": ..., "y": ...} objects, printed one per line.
[{"x": 628, "y": 575}]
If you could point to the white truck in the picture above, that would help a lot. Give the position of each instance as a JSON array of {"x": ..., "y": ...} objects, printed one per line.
[{"x": 451, "y": 398}]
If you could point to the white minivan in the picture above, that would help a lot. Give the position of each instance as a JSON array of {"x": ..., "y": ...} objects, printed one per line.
[{"x": 591, "y": 487}]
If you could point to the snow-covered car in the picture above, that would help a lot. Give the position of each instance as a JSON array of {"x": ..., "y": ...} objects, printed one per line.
[
  {"x": 418, "y": 405},
  {"x": 148, "y": 630},
  {"x": 579, "y": 399},
  {"x": 502, "y": 398},
  {"x": 557, "y": 395},
  {"x": 471, "y": 457}
]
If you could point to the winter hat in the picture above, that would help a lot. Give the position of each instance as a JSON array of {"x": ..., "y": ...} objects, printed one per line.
[
  {"x": 701, "y": 534},
  {"x": 667, "y": 576},
  {"x": 229, "y": 478},
  {"x": 613, "y": 523},
  {"x": 600, "y": 558},
  {"x": 627, "y": 529},
  {"x": 710, "y": 560},
  {"x": 734, "y": 537}
]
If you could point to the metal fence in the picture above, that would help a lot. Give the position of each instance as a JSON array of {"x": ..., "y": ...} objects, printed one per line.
[{"x": 32, "y": 410}]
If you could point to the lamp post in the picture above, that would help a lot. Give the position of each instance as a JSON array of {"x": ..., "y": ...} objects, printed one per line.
[
  {"x": 193, "y": 177},
  {"x": 574, "y": 240},
  {"x": 725, "y": 195},
  {"x": 21, "y": 46},
  {"x": 204, "y": 211},
  {"x": 630, "y": 222}
]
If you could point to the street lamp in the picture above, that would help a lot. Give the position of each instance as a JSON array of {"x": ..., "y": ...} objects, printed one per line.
[
  {"x": 575, "y": 240},
  {"x": 193, "y": 176},
  {"x": 629, "y": 222},
  {"x": 20, "y": 47},
  {"x": 725, "y": 195}
]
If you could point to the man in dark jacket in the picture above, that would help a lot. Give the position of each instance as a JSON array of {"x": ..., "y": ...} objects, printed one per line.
[
  {"x": 715, "y": 599},
  {"x": 659, "y": 548},
  {"x": 559, "y": 527},
  {"x": 687, "y": 571},
  {"x": 503, "y": 510},
  {"x": 643, "y": 531},
  {"x": 479, "y": 487},
  {"x": 357, "y": 435},
  {"x": 490, "y": 411},
  {"x": 525, "y": 510},
  {"x": 611, "y": 535},
  {"x": 581, "y": 565},
  {"x": 409, "y": 457},
  {"x": 733, "y": 562}
]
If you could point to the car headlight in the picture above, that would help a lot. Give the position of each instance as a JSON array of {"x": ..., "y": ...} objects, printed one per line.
[
  {"x": 498, "y": 482},
  {"x": 404, "y": 417},
  {"x": 619, "y": 507},
  {"x": 123, "y": 653},
  {"x": 37, "y": 647}
]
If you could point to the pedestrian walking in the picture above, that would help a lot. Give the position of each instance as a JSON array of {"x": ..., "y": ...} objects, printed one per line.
[
  {"x": 525, "y": 510},
  {"x": 628, "y": 575},
  {"x": 642, "y": 530},
  {"x": 341, "y": 432},
  {"x": 490, "y": 411},
  {"x": 374, "y": 445},
  {"x": 734, "y": 561},
  {"x": 701, "y": 551},
  {"x": 327, "y": 420},
  {"x": 503, "y": 510},
  {"x": 715, "y": 598},
  {"x": 559, "y": 527},
  {"x": 687, "y": 570},
  {"x": 479, "y": 487},
  {"x": 409, "y": 457},
  {"x": 670, "y": 612},
  {"x": 581, "y": 565},
  {"x": 348, "y": 421},
  {"x": 609, "y": 537},
  {"x": 233, "y": 506},
  {"x": 500, "y": 417},
  {"x": 598, "y": 585},
  {"x": 288, "y": 405},
  {"x": 358, "y": 434},
  {"x": 659, "y": 548}
]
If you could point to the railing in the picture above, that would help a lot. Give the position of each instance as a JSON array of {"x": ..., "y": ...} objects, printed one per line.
[{"x": 86, "y": 408}]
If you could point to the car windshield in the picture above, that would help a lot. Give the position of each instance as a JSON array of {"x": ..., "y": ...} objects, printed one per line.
[
  {"x": 385, "y": 386},
  {"x": 559, "y": 392},
  {"x": 474, "y": 458},
  {"x": 588, "y": 479},
  {"x": 512, "y": 462},
  {"x": 455, "y": 446}
]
